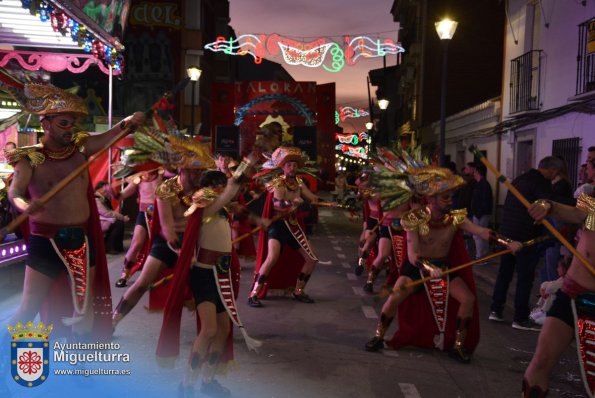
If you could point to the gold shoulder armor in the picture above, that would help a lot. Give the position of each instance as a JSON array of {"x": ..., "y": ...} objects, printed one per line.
[
  {"x": 33, "y": 153},
  {"x": 80, "y": 139},
  {"x": 169, "y": 190},
  {"x": 458, "y": 216},
  {"x": 276, "y": 182},
  {"x": 200, "y": 200},
  {"x": 587, "y": 203},
  {"x": 417, "y": 219}
]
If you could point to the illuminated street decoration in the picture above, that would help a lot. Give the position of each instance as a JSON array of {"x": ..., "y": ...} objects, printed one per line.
[
  {"x": 360, "y": 152},
  {"x": 349, "y": 112},
  {"x": 353, "y": 145},
  {"x": 312, "y": 54},
  {"x": 311, "y": 58},
  {"x": 79, "y": 34},
  {"x": 299, "y": 106},
  {"x": 363, "y": 46}
]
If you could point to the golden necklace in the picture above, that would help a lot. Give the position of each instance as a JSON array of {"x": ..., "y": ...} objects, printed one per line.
[
  {"x": 292, "y": 185},
  {"x": 59, "y": 155}
]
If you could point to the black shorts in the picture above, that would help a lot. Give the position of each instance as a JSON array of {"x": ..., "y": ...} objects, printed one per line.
[
  {"x": 141, "y": 220},
  {"x": 43, "y": 258},
  {"x": 383, "y": 232},
  {"x": 371, "y": 223},
  {"x": 279, "y": 231},
  {"x": 562, "y": 308},
  {"x": 204, "y": 287},
  {"x": 161, "y": 251},
  {"x": 411, "y": 271}
]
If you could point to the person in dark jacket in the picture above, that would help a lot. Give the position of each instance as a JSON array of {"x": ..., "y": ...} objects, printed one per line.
[
  {"x": 517, "y": 224},
  {"x": 481, "y": 207},
  {"x": 561, "y": 189}
]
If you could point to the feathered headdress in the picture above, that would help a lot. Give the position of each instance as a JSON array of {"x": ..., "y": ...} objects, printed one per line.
[
  {"x": 173, "y": 150},
  {"x": 403, "y": 175}
]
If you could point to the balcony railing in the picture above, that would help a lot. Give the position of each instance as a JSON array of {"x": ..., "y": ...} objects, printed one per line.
[
  {"x": 525, "y": 75},
  {"x": 585, "y": 68}
]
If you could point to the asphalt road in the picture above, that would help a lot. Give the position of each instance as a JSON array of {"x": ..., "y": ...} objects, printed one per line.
[{"x": 316, "y": 350}]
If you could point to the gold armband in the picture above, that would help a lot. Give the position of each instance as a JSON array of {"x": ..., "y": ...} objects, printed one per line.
[
  {"x": 546, "y": 204},
  {"x": 587, "y": 203},
  {"x": 417, "y": 219},
  {"x": 243, "y": 172},
  {"x": 501, "y": 239}
]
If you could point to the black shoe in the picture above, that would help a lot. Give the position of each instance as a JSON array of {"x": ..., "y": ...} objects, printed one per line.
[
  {"x": 253, "y": 301},
  {"x": 302, "y": 298},
  {"x": 121, "y": 282},
  {"x": 375, "y": 344},
  {"x": 461, "y": 355},
  {"x": 359, "y": 268},
  {"x": 369, "y": 287},
  {"x": 527, "y": 324},
  {"x": 496, "y": 316},
  {"x": 214, "y": 389}
]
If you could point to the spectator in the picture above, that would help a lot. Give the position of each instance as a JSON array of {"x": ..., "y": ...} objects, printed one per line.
[
  {"x": 481, "y": 207},
  {"x": 562, "y": 190},
  {"x": 548, "y": 289},
  {"x": 465, "y": 193},
  {"x": 518, "y": 225},
  {"x": 112, "y": 222},
  {"x": 340, "y": 186}
]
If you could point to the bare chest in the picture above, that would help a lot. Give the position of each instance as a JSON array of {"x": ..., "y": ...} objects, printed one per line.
[
  {"x": 436, "y": 243},
  {"x": 51, "y": 172}
]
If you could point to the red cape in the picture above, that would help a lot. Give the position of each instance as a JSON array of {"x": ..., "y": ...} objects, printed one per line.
[
  {"x": 157, "y": 296},
  {"x": 284, "y": 274},
  {"x": 416, "y": 323},
  {"x": 58, "y": 305},
  {"x": 168, "y": 345}
]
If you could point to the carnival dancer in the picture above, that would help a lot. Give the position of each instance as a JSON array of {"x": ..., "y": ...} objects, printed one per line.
[
  {"x": 173, "y": 198},
  {"x": 65, "y": 234},
  {"x": 366, "y": 238},
  {"x": 434, "y": 243},
  {"x": 144, "y": 183},
  {"x": 571, "y": 315},
  {"x": 383, "y": 241},
  {"x": 204, "y": 270},
  {"x": 285, "y": 195}
]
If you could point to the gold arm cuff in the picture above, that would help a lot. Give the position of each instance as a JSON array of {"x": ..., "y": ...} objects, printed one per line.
[
  {"x": 546, "y": 204},
  {"x": 243, "y": 172}
]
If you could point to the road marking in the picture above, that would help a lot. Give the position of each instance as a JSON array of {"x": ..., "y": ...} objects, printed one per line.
[
  {"x": 333, "y": 242},
  {"x": 369, "y": 312},
  {"x": 390, "y": 353},
  {"x": 409, "y": 390},
  {"x": 337, "y": 249},
  {"x": 345, "y": 264},
  {"x": 351, "y": 276},
  {"x": 358, "y": 291},
  {"x": 331, "y": 237},
  {"x": 341, "y": 255}
]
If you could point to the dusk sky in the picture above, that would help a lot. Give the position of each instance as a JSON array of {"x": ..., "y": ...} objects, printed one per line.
[{"x": 321, "y": 18}]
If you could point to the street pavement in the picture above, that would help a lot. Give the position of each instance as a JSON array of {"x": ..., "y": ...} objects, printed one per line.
[{"x": 317, "y": 350}]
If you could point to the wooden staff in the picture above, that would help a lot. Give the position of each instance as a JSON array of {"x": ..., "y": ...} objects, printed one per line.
[
  {"x": 473, "y": 149},
  {"x": 469, "y": 264},
  {"x": 63, "y": 183},
  {"x": 161, "y": 282},
  {"x": 256, "y": 229}
]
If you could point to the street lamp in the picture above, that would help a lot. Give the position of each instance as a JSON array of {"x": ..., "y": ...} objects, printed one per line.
[
  {"x": 369, "y": 125},
  {"x": 194, "y": 73},
  {"x": 383, "y": 104},
  {"x": 446, "y": 30}
]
